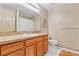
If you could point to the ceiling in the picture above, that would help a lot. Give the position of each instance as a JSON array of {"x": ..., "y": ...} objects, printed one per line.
[{"x": 48, "y": 6}]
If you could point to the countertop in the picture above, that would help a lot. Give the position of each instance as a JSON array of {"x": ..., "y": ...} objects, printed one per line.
[{"x": 19, "y": 37}]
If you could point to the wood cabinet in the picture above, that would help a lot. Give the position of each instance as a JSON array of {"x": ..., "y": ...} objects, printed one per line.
[
  {"x": 17, "y": 53},
  {"x": 11, "y": 48},
  {"x": 45, "y": 44},
  {"x": 30, "y": 47},
  {"x": 39, "y": 48},
  {"x": 31, "y": 50},
  {"x": 36, "y": 46}
]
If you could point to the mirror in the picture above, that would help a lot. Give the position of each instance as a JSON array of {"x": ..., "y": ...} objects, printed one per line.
[{"x": 19, "y": 18}]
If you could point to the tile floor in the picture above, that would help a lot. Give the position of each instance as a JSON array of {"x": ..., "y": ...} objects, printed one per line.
[{"x": 52, "y": 50}]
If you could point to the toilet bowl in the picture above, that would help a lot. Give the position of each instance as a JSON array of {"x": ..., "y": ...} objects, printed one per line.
[{"x": 53, "y": 42}]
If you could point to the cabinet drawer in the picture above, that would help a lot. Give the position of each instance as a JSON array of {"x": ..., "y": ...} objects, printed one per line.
[
  {"x": 39, "y": 39},
  {"x": 30, "y": 42},
  {"x": 17, "y": 53},
  {"x": 45, "y": 37},
  {"x": 33, "y": 41},
  {"x": 5, "y": 49}
]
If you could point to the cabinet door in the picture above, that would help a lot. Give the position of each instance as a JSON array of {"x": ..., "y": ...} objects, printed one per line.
[
  {"x": 31, "y": 50},
  {"x": 39, "y": 48},
  {"x": 17, "y": 53},
  {"x": 45, "y": 46},
  {"x": 45, "y": 43}
]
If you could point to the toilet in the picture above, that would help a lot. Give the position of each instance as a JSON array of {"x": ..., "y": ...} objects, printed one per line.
[{"x": 52, "y": 42}]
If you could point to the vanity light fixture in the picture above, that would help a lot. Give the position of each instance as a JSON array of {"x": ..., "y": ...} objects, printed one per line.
[{"x": 32, "y": 6}]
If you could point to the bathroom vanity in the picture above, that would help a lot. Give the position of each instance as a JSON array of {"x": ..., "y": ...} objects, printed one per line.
[{"x": 24, "y": 45}]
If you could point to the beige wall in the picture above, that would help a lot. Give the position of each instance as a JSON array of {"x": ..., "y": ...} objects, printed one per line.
[
  {"x": 7, "y": 20},
  {"x": 64, "y": 16},
  {"x": 39, "y": 19}
]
